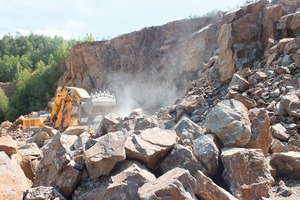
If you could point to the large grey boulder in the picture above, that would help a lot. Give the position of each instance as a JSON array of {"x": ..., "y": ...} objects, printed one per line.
[
  {"x": 182, "y": 157},
  {"x": 187, "y": 129},
  {"x": 101, "y": 157},
  {"x": 246, "y": 173},
  {"x": 150, "y": 145},
  {"x": 229, "y": 121},
  {"x": 176, "y": 184},
  {"x": 207, "y": 152}
]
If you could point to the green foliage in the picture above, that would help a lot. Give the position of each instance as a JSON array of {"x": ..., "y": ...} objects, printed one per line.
[
  {"x": 31, "y": 61},
  {"x": 3, "y": 104}
]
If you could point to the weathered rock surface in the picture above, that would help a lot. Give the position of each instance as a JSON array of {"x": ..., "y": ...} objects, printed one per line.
[
  {"x": 207, "y": 152},
  {"x": 187, "y": 129},
  {"x": 42, "y": 192},
  {"x": 150, "y": 145},
  {"x": 174, "y": 52},
  {"x": 208, "y": 190},
  {"x": 13, "y": 181},
  {"x": 8, "y": 145},
  {"x": 57, "y": 167},
  {"x": 176, "y": 184},
  {"x": 102, "y": 156},
  {"x": 233, "y": 124},
  {"x": 184, "y": 158},
  {"x": 260, "y": 128},
  {"x": 246, "y": 173},
  {"x": 123, "y": 184},
  {"x": 286, "y": 164}
]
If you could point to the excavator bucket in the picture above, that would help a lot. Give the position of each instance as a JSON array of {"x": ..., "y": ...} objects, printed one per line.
[{"x": 97, "y": 105}]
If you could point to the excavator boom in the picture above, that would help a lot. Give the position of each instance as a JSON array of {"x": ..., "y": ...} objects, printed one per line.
[{"x": 73, "y": 106}]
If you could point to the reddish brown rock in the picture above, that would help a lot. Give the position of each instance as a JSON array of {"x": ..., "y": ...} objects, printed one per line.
[
  {"x": 286, "y": 164},
  {"x": 246, "y": 173},
  {"x": 182, "y": 157},
  {"x": 150, "y": 145},
  {"x": 279, "y": 132},
  {"x": 57, "y": 167},
  {"x": 13, "y": 181},
  {"x": 8, "y": 145},
  {"x": 238, "y": 83},
  {"x": 102, "y": 156},
  {"x": 176, "y": 184},
  {"x": 123, "y": 184},
  {"x": 260, "y": 127},
  {"x": 208, "y": 190}
]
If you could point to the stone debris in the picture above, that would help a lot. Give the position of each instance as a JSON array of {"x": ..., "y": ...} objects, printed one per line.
[{"x": 235, "y": 129}]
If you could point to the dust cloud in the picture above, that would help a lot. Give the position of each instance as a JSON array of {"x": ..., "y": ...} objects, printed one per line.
[{"x": 134, "y": 92}]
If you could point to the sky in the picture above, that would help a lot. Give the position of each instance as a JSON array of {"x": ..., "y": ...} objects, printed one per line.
[{"x": 104, "y": 19}]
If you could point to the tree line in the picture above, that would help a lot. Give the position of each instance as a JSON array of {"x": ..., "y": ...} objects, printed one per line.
[{"x": 31, "y": 61}]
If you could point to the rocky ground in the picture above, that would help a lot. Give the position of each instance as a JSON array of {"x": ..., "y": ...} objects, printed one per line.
[{"x": 233, "y": 135}]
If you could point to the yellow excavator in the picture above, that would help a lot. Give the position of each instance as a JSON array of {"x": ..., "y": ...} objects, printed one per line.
[{"x": 72, "y": 106}]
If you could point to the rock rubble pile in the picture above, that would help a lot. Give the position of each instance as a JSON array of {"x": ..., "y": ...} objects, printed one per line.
[{"x": 233, "y": 135}]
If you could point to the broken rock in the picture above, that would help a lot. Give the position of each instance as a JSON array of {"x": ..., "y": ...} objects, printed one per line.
[
  {"x": 230, "y": 122},
  {"x": 123, "y": 184},
  {"x": 208, "y": 190},
  {"x": 150, "y": 145},
  {"x": 56, "y": 167},
  {"x": 207, "y": 152},
  {"x": 279, "y": 132},
  {"x": 8, "y": 145},
  {"x": 187, "y": 129},
  {"x": 102, "y": 157},
  {"x": 176, "y": 184},
  {"x": 181, "y": 157},
  {"x": 42, "y": 192},
  {"x": 246, "y": 173},
  {"x": 13, "y": 181},
  {"x": 260, "y": 127},
  {"x": 287, "y": 164}
]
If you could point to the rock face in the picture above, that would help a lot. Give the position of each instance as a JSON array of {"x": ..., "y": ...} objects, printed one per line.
[
  {"x": 246, "y": 173},
  {"x": 147, "y": 66},
  {"x": 102, "y": 157},
  {"x": 39, "y": 193},
  {"x": 233, "y": 127},
  {"x": 150, "y": 145},
  {"x": 175, "y": 184}
]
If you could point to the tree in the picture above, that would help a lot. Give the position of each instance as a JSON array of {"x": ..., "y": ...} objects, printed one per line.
[{"x": 4, "y": 105}]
